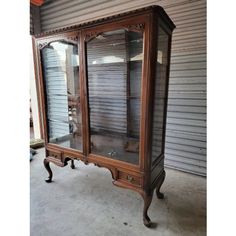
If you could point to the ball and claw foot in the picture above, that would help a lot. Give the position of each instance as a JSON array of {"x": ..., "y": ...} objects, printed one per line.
[
  {"x": 47, "y": 166},
  {"x": 72, "y": 165},
  {"x": 147, "y": 221},
  {"x": 159, "y": 194},
  {"x": 49, "y": 180},
  {"x": 147, "y": 201}
]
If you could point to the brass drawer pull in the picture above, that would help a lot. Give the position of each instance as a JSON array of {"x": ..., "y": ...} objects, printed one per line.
[{"x": 130, "y": 178}]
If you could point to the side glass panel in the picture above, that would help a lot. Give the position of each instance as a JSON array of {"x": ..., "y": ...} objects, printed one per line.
[
  {"x": 61, "y": 80},
  {"x": 160, "y": 97},
  {"x": 114, "y": 65}
]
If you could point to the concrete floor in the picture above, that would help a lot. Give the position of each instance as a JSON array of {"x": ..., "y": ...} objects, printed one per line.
[{"x": 84, "y": 202}]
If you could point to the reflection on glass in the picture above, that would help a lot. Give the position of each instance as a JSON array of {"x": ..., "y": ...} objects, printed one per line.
[
  {"x": 61, "y": 79},
  {"x": 114, "y": 64},
  {"x": 160, "y": 97}
]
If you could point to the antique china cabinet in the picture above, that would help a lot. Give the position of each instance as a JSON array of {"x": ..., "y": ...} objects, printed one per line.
[{"x": 102, "y": 89}]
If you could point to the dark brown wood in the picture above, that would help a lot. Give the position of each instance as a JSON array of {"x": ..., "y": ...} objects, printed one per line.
[
  {"x": 147, "y": 198},
  {"x": 145, "y": 176},
  {"x": 158, "y": 193},
  {"x": 84, "y": 95},
  {"x": 72, "y": 165},
  {"x": 147, "y": 90},
  {"x": 47, "y": 166},
  {"x": 127, "y": 87}
]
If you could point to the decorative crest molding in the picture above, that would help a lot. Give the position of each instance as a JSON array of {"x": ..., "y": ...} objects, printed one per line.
[
  {"x": 42, "y": 45},
  {"x": 90, "y": 35},
  {"x": 136, "y": 27},
  {"x": 73, "y": 38},
  {"x": 69, "y": 38},
  {"x": 101, "y": 20}
]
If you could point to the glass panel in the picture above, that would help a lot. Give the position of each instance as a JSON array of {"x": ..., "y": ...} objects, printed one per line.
[
  {"x": 159, "y": 97},
  {"x": 114, "y": 61},
  {"x": 61, "y": 79}
]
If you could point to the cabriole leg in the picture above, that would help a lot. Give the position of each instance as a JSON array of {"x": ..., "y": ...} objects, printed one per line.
[
  {"x": 72, "y": 165},
  {"x": 47, "y": 166},
  {"x": 147, "y": 197},
  {"x": 158, "y": 193}
]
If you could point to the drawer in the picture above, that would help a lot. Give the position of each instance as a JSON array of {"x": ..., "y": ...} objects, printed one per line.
[
  {"x": 129, "y": 178},
  {"x": 55, "y": 153}
]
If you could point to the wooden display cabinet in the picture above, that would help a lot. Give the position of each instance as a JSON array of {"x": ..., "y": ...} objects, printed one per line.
[{"x": 102, "y": 89}]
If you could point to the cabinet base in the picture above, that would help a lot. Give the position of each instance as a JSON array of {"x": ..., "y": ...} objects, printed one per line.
[
  {"x": 57, "y": 162},
  {"x": 146, "y": 195}
]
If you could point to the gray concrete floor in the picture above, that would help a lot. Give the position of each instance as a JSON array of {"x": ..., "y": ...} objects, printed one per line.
[{"x": 84, "y": 202}]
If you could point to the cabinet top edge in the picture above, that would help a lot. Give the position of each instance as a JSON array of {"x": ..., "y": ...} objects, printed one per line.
[{"x": 153, "y": 8}]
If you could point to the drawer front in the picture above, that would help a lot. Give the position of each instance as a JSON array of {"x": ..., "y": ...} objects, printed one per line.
[
  {"x": 56, "y": 154},
  {"x": 129, "y": 178}
]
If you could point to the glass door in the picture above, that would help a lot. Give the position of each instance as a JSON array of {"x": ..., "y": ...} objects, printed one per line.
[
  {"x": 160, "y": 97},
  {"x": 114, "y": 71},
  {"x": 60, "y": 61}
]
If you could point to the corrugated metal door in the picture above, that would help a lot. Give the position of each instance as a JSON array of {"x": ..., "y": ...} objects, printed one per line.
[
  {"x": 35, "y": 27},
  {"x": 186, "y": 118},
  {"x": 107, "y": 102},
  {"x": 31, "y": 21}
]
